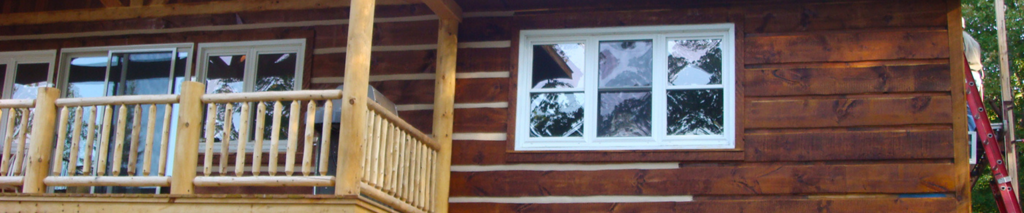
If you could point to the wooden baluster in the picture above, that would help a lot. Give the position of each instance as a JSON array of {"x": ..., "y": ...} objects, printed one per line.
[
  {"x": 366, "y": 146},
  {"x": 307, "y": 149},
  {"x": 395, "y": 166},
  {"x": 293, "y": 137},
  {"x": 275, "y": 137},
  {"x": 378, "y": 132},
  {"x": 76, "y": 138},
  {"x": 432, "y": 181},
  {"x": 133, "y": 149},
  {"x": 165, "y": 139},
  {"x": 211, "y": 120},
  {"x": 243, "y": 138},
  {"x": 386, "y": 161},
  {"x": 424, "y": 163},
  {"x": 418, "y": 194},
  {"x": 19, "y": 159},
  {"x": 101, "y": 165},
  {"x": 406, "y": 167},
  {"x": 90, "y": 139},
  {"x": 8, "y": 140},
  {"x": 62, "y": 134},
  {"x": 122, "y": 121},
  {"x": 147, "y": 161},
  {"x": 257, "y": 149},
  {"x": 225, "y": 138},
  {"x": 325, "y": 138}
]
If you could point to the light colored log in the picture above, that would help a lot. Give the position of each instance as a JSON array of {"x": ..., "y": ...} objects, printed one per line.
[
  {"x": 42, "y": 140},
  {"x": 76, "y": 134},
  {"x": 357, "y": 72},
  {"x": 166, "y": 137},
  {"x": 90, "y": 139},
  {"x": 265, "y": 181},
  {"x": 405, "y": 126},
  {"x": 111, "y": 3},
  {"x": 135, "y": 3},
  {"x": 385, "y": 138},
  {"x": 133, "y": 148},
  {"x": 384, "y": 198},
  {"x": 420, "y": 174},
  {"x": 19, "y": 158},
  {"x": 211, "y": 116},
  {"x": 225, "y": 138},
  {"x": 272, "y": 96},
  {"x": 403, "y": 193},
  {"x": 389, "y": 158},
  {"x": 325, "y": 138},
  {"x": 275, "y": 138},
  {"x": 101, "y": 159},
  {"x": 399, "y": 163},
  {"x": 122, "y": 121},
  {"x": 293, "y": 137},
  {"x": 257, "y": 156},
  {"x": 444, "y": 105},
  {"x": 187, "y": 143},
  {"x": 378, "y": 131},
  {"x": 12, "y": 180},
  {"x": 108, "y": 181},
  {"x": 62, "y": 135},
  {"x": 17, "y": 103},
  {"x": 432, "y": 182},
  {"x": 365, "y": 165},
  {"x": 8, "y": 141},
  {"x": 243, "y": 136},
  {"x": 147, "y": 161},
  {"x": 446, "y": 9},
  {"x": 119, "y": 100},
  {"x": 307, "y": 148}
]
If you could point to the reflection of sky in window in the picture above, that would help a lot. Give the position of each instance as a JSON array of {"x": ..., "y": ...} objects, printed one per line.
[
  {"x": 226, "y": 59},
  {"x": 625, "y": 67},
  {"x": 568, "y": 102},
  {"x": 691, "y": 75},
  {"x": 571, "y": 54},
  {"x": 690, "y": 51}
]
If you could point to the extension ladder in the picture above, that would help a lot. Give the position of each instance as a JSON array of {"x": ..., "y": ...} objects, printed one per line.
[{"x": 1004, "y": 194}]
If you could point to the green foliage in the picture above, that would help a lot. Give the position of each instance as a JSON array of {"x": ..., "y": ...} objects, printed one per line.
[{"x": 979, "y": 16}]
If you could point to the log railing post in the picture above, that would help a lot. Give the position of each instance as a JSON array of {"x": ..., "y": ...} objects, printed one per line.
[
  {"x": 40, "y": 147},
  {"x": 186, "y": 145},
  {"x": 353, "y": 111},
  {"x": 444, "y": 107}
]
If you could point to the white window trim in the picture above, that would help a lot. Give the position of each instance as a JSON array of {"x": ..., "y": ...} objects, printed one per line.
[
  {"x": 252, "y": 49},
  {"x": 12, "y": 59},
  {"x": 658, "y": 140},
  {"x": 66, "y": 54}
]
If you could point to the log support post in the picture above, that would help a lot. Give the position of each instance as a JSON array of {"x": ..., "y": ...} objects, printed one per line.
[
  {"x": 41, "y": 142},
  {"x": 444, "y": 106},
  {"x": 354, "y": 109},
  {"x": 186, "y": 146}
]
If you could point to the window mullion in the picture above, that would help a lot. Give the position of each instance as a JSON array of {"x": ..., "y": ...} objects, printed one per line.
[
  {"x": 590, "y": 90},
  {"x": 658, "y": 94},
  {"x": 250, "y": 70}
]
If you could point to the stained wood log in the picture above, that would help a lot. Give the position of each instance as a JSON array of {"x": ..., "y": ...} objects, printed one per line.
[
  {"x": 899, "y": 143},
  {"x": 846, "y": 80},
  {"x": 807, "y": 17},
  {"x": 465, "y": 120},
  {"x": 847, "y": 111},
  {"x": 846, "y": 46},
  {"x": 752, "y": 179},
  {"x": 844, "y": 205}
]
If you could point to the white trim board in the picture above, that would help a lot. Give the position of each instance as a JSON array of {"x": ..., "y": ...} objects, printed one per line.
[
  {"x": 416, "y": 107},
  {"x": 412, "y": 77},
  {"x": 569, "y": 199},
  {"x": 490, "y": 136},
  {"x": 240, "y": 26},
  {"x": 564, "y": 167},
  {"x": 412, "y": 47}
]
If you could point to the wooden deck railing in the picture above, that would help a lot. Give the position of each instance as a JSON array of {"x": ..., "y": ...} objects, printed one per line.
[
  {"x": 12, "y": 165},
  {"x": 398, "y": 168},
  {"x": 78, "y": 113}
]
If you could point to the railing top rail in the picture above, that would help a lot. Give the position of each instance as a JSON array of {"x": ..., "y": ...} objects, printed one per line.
[
  {"x": 118, "y": 100},
  {"x": 17, "y": 103},
  {"x": 272, "y": 96},
  {"x": 427, "y": 140}
]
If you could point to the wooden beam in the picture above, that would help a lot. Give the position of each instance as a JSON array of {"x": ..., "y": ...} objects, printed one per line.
[
  {"x": 1007, "y": 96},
  {"x": 156, "y": 10},
  {"x": 158, "y": 2},
  {"x": 444, "y": 106},
  {"x": 111, "y": 3},
  {"x": 354, "y": 109},
  {"x": 135, "y": 3},
  {"x": 961, "y": 167},
  {"x": 186, "y": 148},
  {"x": 446, "y": 9},
  {"x": 42, "y": 140}
]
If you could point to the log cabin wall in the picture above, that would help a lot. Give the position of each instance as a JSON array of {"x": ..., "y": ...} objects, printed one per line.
[{"x": 842, "y": 106}]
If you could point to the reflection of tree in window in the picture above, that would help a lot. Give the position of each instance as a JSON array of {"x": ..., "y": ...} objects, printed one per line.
[
  {"x": 688, "y": 56},
  {"x": 624, "y": 114},
  {"x": 695, "y": 112},
  {"x": 556, "y": 115}
]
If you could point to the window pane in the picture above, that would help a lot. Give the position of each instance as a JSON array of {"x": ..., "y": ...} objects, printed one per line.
[
  {"x": 224, "y": 74},
  {"x": 694, "y": 62},
  {"x": 556, "y": 115},
  {"x": 86, "y": 76},
  {"x": 625, "y": 63},
  {"x": 3, "y": 75},
  {"x": 695, "y": 112},
  {"x": 275, "y": 72},
  {"x": 558, "y": 66},
  {"x": 143, "y": 73},
  {"x": 624, "y": 114},
  {"x": 28, "y": 78}
]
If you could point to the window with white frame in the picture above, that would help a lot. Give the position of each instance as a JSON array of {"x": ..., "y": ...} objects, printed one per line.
[
  {"x": 124, "y": 70},
  {"x": 272, "y": 65},
  {"x": 627, "y": 88},
  {"x": 25, "y": 71}
]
